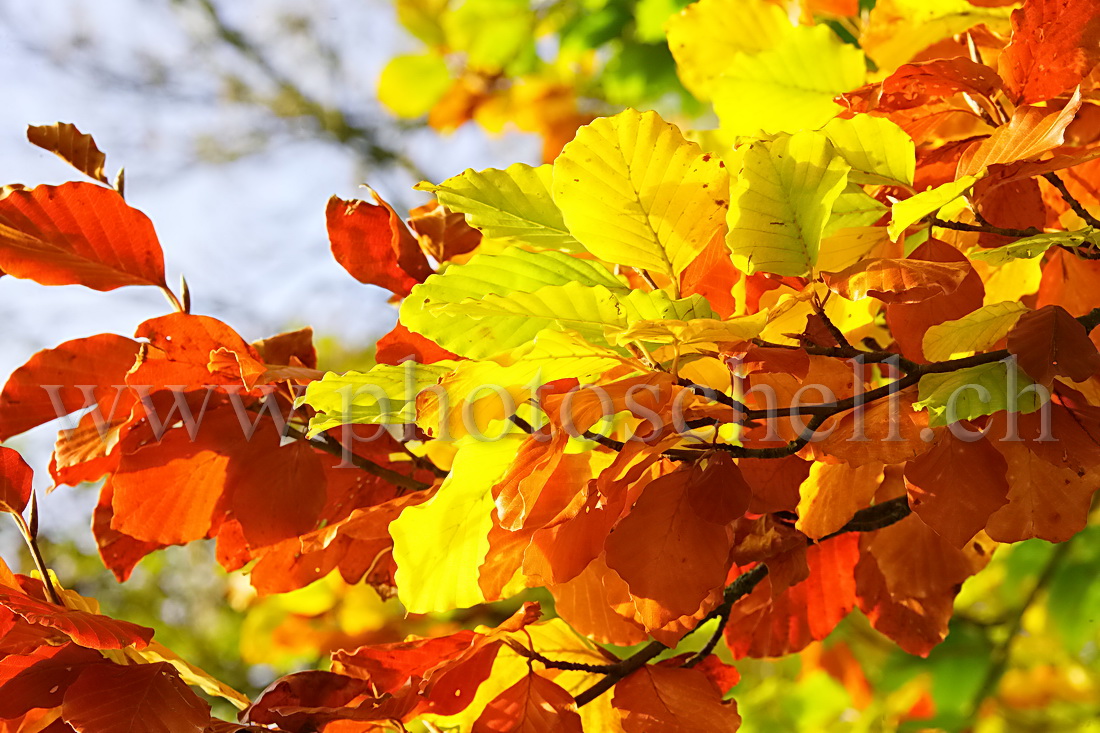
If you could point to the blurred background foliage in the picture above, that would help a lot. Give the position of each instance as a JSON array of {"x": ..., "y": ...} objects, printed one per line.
[{"x": 388, "y": 83}]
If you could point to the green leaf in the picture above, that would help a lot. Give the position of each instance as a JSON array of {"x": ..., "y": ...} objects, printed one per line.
[
  {"x": 975, "y": 331},
  {"x": 982, "y": 390},
  {"x": 790, "y": 87},
  {"x": 410, "y": 85},
  {"x": 440, "y": 545},
  {"x": 877, "y": 149},
  {"x": 386, "y": 395},
  {"x": 513, "y": 205},
  {"x": 906, "y": 213},
  {"x": 854, "y": 207},
  {"x": 781, "y": 202},
  {"x": 636, "y": 193},
  {"x": 493, "y": 33},
  {"x": 1032, "y": 247},
  {"x": 512, "y": 271}
]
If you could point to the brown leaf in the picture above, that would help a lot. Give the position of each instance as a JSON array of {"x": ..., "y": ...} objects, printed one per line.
[
  {"x": 532, "y": 705},
  {"x": 78, "y": 234},
  {"x": 1049, "y": 342},
  {"x": 667, "y": 552},
  {"x": 1055, "y": 44},
  {"x": 957, "y": 485},
  {"x": 719, "y": 493},
  {"x": 15, "y": 481},
  {"x": 124, "y": 699},
  {"x": 1031, "y": 132},
  {"x": 597, "y": 604},
  {"x": 372, "y": 244},
  {"x": 888, "y": 431},
  {"x": 673, "y": 700},
  {"x": 916, "y": 562},
  {"x": 896, "y": 281},
  {"x": 76, "y": 148},
  {"x": 86, "y": 370},
  {"x": 40, "y": 679},
  {"x": 443, "y": 234}
]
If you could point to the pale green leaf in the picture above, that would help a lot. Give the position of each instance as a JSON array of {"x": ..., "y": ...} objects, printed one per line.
[
  {"x": 782, "y": 199},
  {"x": 975, "y": 331},
  {"x": 853, "y": 208},
  {"x": 906, "y": 213},
  {"x": 1032, "y": 247},
  {"x": 790, "y": 87},
  {"x": 636, "y": 193},
  {"x": 877, "y": 149},
  {"x": 514, "y": 204},
  {"x": 386, "y": 395},
  {"x": 439, "y": 545},
  {"x": 976, "y": 391},
  {"x": 511, "y": 271}
]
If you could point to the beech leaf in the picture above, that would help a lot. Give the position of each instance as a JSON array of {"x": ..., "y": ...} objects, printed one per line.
[{"x": 76, "y": 148}]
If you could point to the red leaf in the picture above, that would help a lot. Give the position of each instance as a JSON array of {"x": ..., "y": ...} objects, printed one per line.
[
  {"x": 94, "y": 367},
  {"x": 719, "y": 493},
  {"x": 1055, "y": 44},
  {"x": 916, "y": 625},
  {"x": 401, "y": 344},
  {"x": 443, "y": 234},
  {"x": 15, "y": 481},
  {"x": 120, "y": 552},
  {"x": 712, "y": 275},
  {"x": 938, "y": 78},
  {"x": 39, "y": 679},
  {"x": 373, "y": 245},
  {"x": 772, "y": 622},
  {"x": 179, "y": 349},
  {"x": 1050, "y": 342},
  {"x": 124, "y": 699},
  {"x": 532, "y": 705},
  {"x": 292, "y": 701},
  {"x": 666, "y": 552},
  {"x": 86, "y": 629},
  {"x": 957, "y": 510},
  {"x": 673, "y": 700},
  {"x": 909, "y": 321},
  {"x": 71, "y": 145},
  {"x": 78, "y": 234}
]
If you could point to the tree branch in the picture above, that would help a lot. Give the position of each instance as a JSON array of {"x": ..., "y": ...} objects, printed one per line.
[
  {"x": 1078, "y": 208},
  {"x": 334, "y": 447}
]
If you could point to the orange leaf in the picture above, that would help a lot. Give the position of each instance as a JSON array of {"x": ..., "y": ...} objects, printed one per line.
[
  {"x": 179, "y": 350},
  {"x": 918, "y": 563},
  {"x": 1050, "y": 342},
  {"x": 1031, "y": 132},
  {"x": 956, "y": 509},
  {"x": 123, "y": 699},
  {"x": 78, "y": 234},
  {"x": 1055, "y": 44},
  {"x": 719, "y": 493},
  {"x": 120, "y": 552},
  {"x": 76, "y": 148},
  {"x": 833, "y": 493},
  {"x": 887, "y": 431},
  {"x": 597, "y": 604},
  {"x": 667, "y": 552},
  {"x": 532, "y": 705},
  {"x": 373, "y": 245},
  {"x": 87, "y": 370},
  {"x": 909, "y": 321},
  {"x": 543, "y": 486},
  {"x": 774, "y": 482},
  {"x": 40, "y": 679},
  {"x": 89, "y": 630},
  {"x": 938, "y": 78},
  {"x": 443, "y": 234},
  {"x": 401, "y": 344},
  {"x": 773, "y": 621},
  {"x": 1046, "y": 501},
  {"x": 915, "y": 624},
  {"x": 673, "y": 700},
  {"x": 15, "y": 481},
  {"x": 712, "y": 275},
  {"x": 896, "y": 281}
]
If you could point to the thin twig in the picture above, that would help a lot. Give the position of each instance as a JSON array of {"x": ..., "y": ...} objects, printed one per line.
[
  {"x": 984, "y": 228},
  {"x": 1077, "y": 206},
  {"x": 334, "y": 447}
]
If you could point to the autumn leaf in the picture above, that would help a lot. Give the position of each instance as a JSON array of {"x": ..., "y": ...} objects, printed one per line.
[
  {"x": 15, "y": 481},
  {"x": 78, "y": 234},
  {"x": 532, "y": 705},
  {"x": 76, "y": 148},
  {"x": 89, "y": 630},
  {"x": 117, "y": 699},
  {"x": 659, "y": 699},
  {"x": 896, "y": 281},
  {"x": 1053, "y": 47},
  {"x": 1050, "y": 342}
]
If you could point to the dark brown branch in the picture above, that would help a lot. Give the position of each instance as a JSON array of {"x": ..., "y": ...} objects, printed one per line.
[
  {"x": 984, "y": 228},
  {"x": 334, "y": 447},
  {"x": 1078, "y": 208}
]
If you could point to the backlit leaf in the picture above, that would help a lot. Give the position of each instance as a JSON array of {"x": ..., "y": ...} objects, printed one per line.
[
  {"x": 1031, "y": 132},
  {"x": 668, "y": 196},
  {"x": 514, "y": 204},
  {"x": 896, "y": 281},
  {"x": 1032, "y": 247},
  {"x": 1050, "y": 342},
  {"x": 976, "y": 331},
  {"x": 372, "y": 243},
  {"x": 532, "y": 705},
  {"x": 877, "y": 149},
  {"x": 1054, "y": 46},
  {"x": 658, "y": 699},
  {"x": 86, "y": 629},
  {"x": 15, "y": 481},
  {"x": 832, "y": 494},
  {"x": 147, "y": 697},
  {"x": 781, "y": 201},
  {"x": 78, "y": 234},
  {"x": 911, "y": 210},
  {"x": 411, "y": 84},
  {"x": 76, "y": 148},
  {"x": 969, "y": 393}
]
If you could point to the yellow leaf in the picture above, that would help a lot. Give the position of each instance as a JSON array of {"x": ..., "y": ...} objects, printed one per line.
[
  {"x": 411, "y": 84},
  {"x": 908, "y": 212},
  {"x": 781, "y": 202},
  {"x": 975, "y": 331},
  {"x": 636, "y": 193},
  {"x": 832, "y": 494},
  {"x": 877, "y": 149},
  {"x": 440, "y": 545},
  {"x": 790, "y": 87}
]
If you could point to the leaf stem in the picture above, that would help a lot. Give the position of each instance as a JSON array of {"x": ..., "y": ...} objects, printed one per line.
[{"x": 30, "y": 536}]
